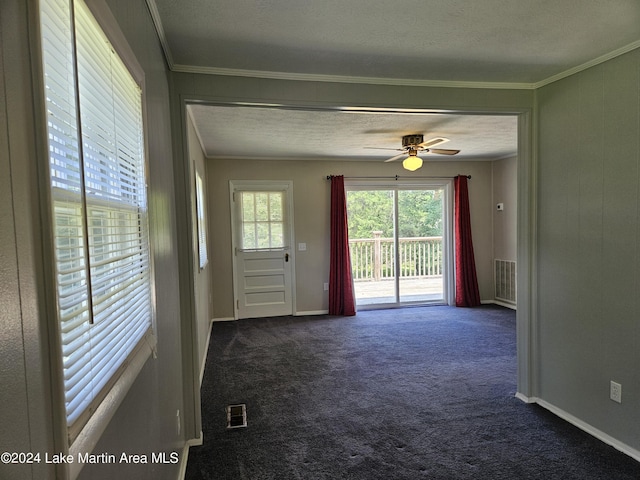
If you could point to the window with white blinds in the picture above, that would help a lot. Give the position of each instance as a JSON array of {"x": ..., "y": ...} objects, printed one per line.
[
  {"x": 98, "y": 194},
  {"x": 202, "y": 226}
]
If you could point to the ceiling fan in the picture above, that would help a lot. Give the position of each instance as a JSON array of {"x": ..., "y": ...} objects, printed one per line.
[{"x": 412, "y": 144}]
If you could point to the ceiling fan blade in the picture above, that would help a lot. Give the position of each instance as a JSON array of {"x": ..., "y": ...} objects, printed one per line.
[
  {"x": 443, "y": 151},
  {"x": 397, "y": 157},
  {"x": 380, "y": 148},
  {"x": 433, "y": 142}
]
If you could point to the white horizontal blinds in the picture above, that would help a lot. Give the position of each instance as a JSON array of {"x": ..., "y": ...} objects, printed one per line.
[
  {"x": 262, "y": 217},
  {"x": 100, "y": 205},
  {"x": 116, "y": 204},
  {"x": 66, "y": 191},
  {"x": 60, "y": 96}
]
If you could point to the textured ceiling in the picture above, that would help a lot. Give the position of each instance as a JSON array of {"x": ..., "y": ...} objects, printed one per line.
[
  {"x": 253, "y": 132},
  {"x": 513, "y": 43}
]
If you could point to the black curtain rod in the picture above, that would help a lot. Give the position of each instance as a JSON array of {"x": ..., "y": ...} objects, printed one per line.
[{"x": 397, "y": 177}]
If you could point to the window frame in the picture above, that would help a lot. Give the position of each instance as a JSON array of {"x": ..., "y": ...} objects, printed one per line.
[{"x": 86, "y": 437}]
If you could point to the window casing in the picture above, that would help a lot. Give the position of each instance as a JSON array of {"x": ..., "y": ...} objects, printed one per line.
[{"x": 99, "y": 205}]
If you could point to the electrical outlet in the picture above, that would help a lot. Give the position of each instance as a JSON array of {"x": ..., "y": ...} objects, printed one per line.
[
  {"x": 616, "y": 392},
  {"x": 326, "y": 287}
]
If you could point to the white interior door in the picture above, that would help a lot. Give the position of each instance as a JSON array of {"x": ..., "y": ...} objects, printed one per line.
[{"x": 263, "y": 259}]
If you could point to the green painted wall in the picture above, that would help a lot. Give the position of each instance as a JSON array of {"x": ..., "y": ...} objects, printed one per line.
[{"x": 588, "y": 255}]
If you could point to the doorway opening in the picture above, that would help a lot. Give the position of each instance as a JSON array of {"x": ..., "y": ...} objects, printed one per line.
[{"x": 399, "y": 239}]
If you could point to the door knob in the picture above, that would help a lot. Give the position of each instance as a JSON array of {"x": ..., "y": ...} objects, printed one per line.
[{"x": 286, "y": 257}]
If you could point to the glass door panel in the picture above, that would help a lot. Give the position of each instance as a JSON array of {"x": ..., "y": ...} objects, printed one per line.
[
  {"x": 420, "y": 245},
  {"x": 372, "y": 245}
]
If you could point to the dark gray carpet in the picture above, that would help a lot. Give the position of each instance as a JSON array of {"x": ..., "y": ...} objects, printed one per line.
[{"x": 391, "y": 394}]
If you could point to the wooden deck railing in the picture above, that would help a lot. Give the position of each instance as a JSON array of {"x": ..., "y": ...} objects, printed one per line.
[{"x": 374, "y": 258}]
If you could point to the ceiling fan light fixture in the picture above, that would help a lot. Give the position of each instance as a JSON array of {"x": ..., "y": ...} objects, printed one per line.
[{"x": 412, "y": 163}]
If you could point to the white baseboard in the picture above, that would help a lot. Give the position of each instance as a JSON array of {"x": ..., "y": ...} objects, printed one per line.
[
  {"x": 498, "y": 302},
  {"x": 526, "y": 399},
  {"x": 312, "y": 312},
  {"x": 296, "y": 314},
  {"x": 184, "y": 458},
  {"x": 505, "y": 304},
  {"x": 196, "y": 442},
  {"x": 590, "y": 429},
  {"x": 203, "y": 360}
]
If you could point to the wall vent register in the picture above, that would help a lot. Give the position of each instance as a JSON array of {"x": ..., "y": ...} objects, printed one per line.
[{"x": 505, "y": 281}]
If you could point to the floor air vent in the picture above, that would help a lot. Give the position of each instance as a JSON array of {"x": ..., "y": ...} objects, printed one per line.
[{"x": 236, "y": 416}]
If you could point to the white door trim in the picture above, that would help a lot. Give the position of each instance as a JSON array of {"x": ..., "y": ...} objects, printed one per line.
[{"x": 262, "y": 185}]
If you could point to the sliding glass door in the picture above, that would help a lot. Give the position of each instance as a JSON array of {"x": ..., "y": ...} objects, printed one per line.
[{"x": 398, "y": 237}]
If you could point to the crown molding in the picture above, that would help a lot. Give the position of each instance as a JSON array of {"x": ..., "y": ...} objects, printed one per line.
[
  {"x": 313, "y": 77},
  {"x": 591, "y": 63},
  {"x": 157, "y": 22},
  {"x": 408, "y": 82}
]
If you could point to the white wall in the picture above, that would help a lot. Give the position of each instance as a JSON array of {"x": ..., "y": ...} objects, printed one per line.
[
  {"x": 24, "y": 367},
  {"x": 202, "y": 276},
  {"x": 588, "y": 256},
  {"x": 505, "y": 222}
]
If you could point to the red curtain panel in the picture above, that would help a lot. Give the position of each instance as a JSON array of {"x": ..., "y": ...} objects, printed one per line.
[
  {"x": 467, "y": 293},
  {"x": 341, "y": 298}
]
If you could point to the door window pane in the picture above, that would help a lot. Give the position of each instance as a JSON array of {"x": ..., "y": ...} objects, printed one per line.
[
  {"x": 262, "y": 220},
  {"x": 420, "y": 220},
  {"x": 248, "y": 208},
  {"x": 275, "y": 207},
  {"x": 371, "y": 245}
]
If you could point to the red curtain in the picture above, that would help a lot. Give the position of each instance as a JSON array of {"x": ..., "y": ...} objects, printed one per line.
[
  {"x": 467, "y": 293},
  {"x": 341, "y": 299}
]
